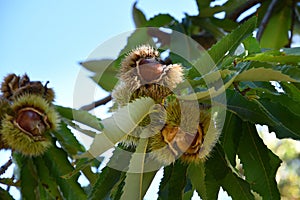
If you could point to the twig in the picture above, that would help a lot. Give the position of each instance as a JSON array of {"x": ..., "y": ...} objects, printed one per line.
[
  {"x": 237, "y": 12},
  {"x": 96, "y": 103},
  {"x": 265, "y": 20},
  {"x": 5, "y": 166},
  {"x": 293, "y": 16}
]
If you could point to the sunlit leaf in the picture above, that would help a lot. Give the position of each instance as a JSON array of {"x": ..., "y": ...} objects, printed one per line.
[
  {"x": 123, "y": 122},
  {"x": 259, "y": 71},
  {"x": 276, "y": 33},
  {"x": 259, "y": 163},
  {"x": 217, "y": 86},
  {"x": 277, "y": 57},
  {"x": 251, "y": 45},
  {"x": 137, "y": 179}
]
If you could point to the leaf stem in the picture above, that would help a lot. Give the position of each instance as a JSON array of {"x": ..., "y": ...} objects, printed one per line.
[{"x": 265, "y": 20}]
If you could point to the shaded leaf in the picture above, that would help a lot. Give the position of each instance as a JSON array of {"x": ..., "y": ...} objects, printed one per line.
[
  {"x": 173, "y": 182},
  {"x": 67, "y": 140},
  {"x": 287, "y": 123},
  {"x": 205, "y": 184},
  {"x": 81, "y": 116},
  {"x": 231, "y": 134},
  {"x": 110, "y": 175},
  {"x": 105, "y": 72},
  {"x": 218, "y": 166},
  {"x": 160, "y": 20},
  {"x": 259, "y": 163},
  {"x": 138, "y": 16},
  {"x": 216, "y": 53},
  {"x": 246, "y": 109},
  {"x": 57, "y": 161},
  {"x": 46, "y": 180},
  {"x": 5, "y": 195},
  {"x": 29, "y": 180}
]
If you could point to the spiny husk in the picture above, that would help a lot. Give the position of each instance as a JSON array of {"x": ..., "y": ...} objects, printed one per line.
[
  {"x": 185, "y": 136},
  {"x": 16, "y": 138}
]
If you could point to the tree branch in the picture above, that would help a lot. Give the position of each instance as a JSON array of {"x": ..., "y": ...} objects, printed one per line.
[
  {"x": 96, "y": 103},
  {"x": 265, "y": 20},
  {"x": 237, "y": 12},
  {"x": 5, "y": 166}
]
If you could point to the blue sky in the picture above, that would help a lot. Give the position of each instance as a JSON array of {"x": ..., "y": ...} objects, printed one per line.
[{"x": 47, "y": 39}]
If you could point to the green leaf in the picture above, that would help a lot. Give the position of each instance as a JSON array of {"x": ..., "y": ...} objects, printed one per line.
[
  {"x": 251, "y": 45},
  {"x": 138, "y": 16},
  {"x": 231, "y": 41},
  {"x": 67, "y": 140},
  {"x": 173, "y": 182},
  {"x": 259, "y": 71},
  {"x": 259, "y": 163},
  {"x": 218, "y": 166},
  {"x": 46, "y": 180},
  {"x": 110, "y": 176},
  {"x": 276, "y": 57},
  {"x": 57, "y": 161},
  {"x": 138, "y": 179},
  {"x": 105, "y": 72},
  {"x": 29, "y": 180},
  {"x": 123, "y": 122},
  {"x": 206, "y": 23},
  {"x": 5, "y": 195},
  {"x": 287, "y": 123},
  {"x": 247, "y": 110},
  {"x": 80, "y": 165},
  {"x": 208, "y": 61},
  {"x": 213, "y": 79},
  {"x": 81, "y": 116},
  {"x": 231, "y": 135},
  {"x": 275, "y": 34},
  {"x": 291, "y": 51},
  {"x": 205, "y": 184},
  {"x": 160, "y": 20}
]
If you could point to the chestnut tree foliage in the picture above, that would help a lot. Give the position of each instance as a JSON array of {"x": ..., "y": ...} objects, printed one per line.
[{"x": 262, "y": 86}]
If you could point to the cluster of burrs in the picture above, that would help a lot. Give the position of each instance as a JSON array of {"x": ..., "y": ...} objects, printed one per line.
[
  {"x": 179, "y": 128},
  {"x": 27, "y": 115}
]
